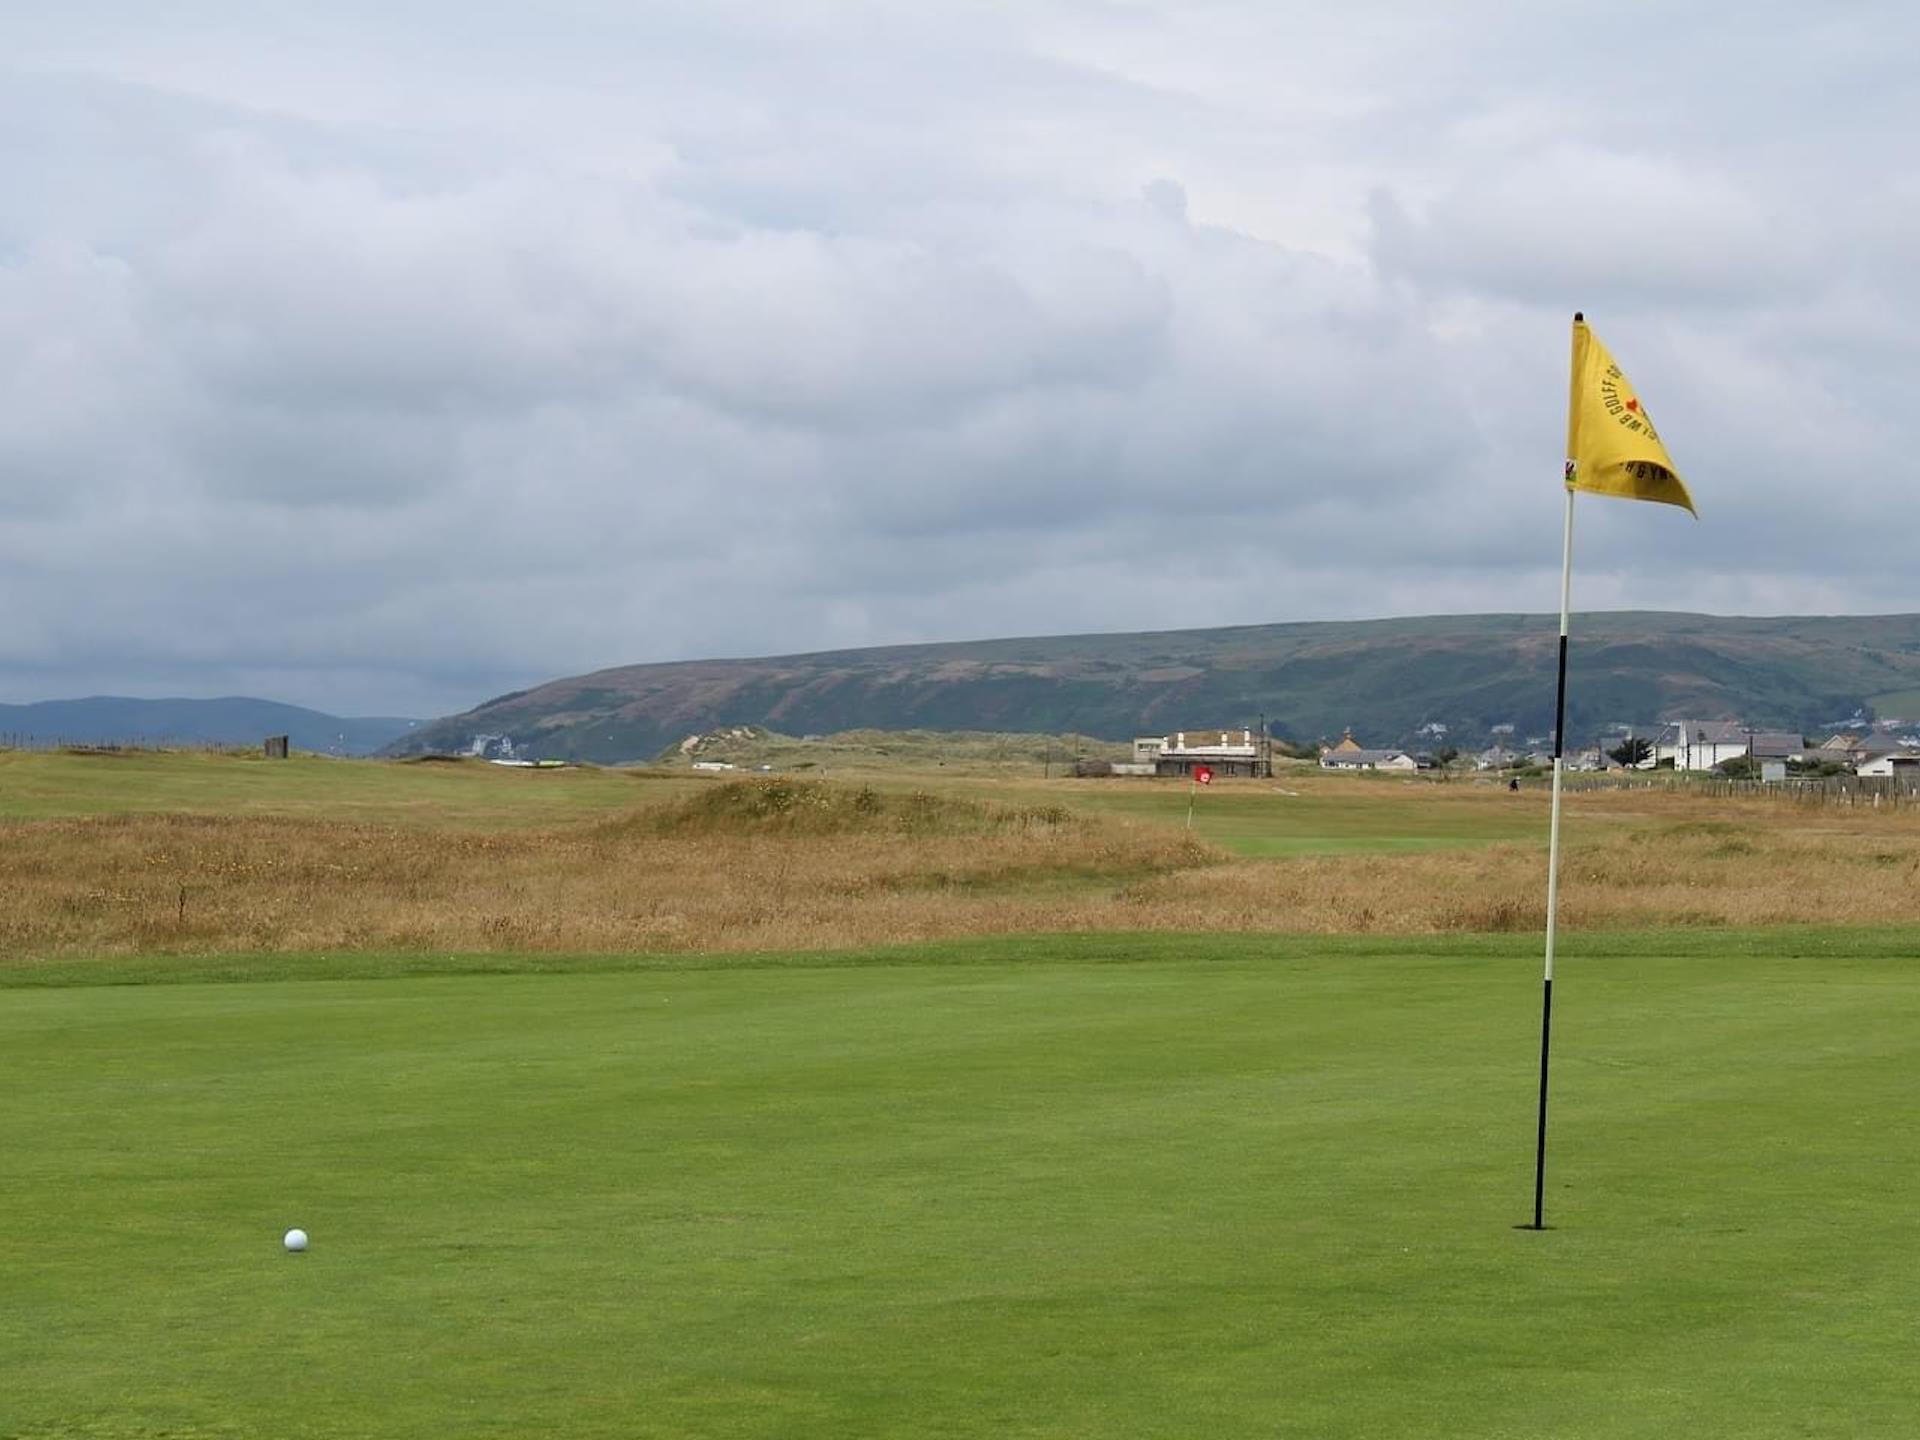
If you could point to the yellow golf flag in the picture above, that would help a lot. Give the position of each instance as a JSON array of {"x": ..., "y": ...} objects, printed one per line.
[{"x": 1612, "y": 447}]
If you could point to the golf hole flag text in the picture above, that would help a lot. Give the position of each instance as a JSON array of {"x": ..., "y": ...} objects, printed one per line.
[{"x": 1612, "y": 447}]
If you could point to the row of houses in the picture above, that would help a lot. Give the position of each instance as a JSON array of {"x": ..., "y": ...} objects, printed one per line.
[
  {"x": 1702, "y": 745},
  {"x": 1687, "y": 745}
]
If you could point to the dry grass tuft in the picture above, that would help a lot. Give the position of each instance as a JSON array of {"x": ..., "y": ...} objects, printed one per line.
[
  {"x": 1774, "y": 869},
  {"x": 782, "y": 806}
]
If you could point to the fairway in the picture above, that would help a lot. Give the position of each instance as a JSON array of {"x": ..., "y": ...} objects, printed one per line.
[
  {"x": 1116, "y": 1186},
  {"x": 1303, "y": 812},
  {"x": 440, "y": 794}
]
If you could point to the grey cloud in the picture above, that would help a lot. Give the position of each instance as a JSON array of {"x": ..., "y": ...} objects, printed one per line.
[
  {"x": 1575, "y": 220},
  {"x": 286, "y": 457},
  {"x": 476, "y": 346}
]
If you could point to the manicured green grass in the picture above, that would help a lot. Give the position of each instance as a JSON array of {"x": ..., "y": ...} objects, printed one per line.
[
  {"x": 1211, "y": 1186},
  {"x": 42, "y": 785}
]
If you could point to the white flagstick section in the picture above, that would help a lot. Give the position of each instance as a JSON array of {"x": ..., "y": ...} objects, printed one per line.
[{"x": 1559, "y": 737}]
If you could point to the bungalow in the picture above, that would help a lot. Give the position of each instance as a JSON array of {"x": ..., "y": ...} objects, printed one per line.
[
  {"x": 1891, "y": 762},
  {"x": 1882, "y": 755},
  {"x": 1359, "y": 759}
]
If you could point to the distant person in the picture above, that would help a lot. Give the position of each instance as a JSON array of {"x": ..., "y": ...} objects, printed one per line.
[{"x": 1514, "y": 785}]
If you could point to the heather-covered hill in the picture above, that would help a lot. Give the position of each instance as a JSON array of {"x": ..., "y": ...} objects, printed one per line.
[{"x": 1384, "y": 678}]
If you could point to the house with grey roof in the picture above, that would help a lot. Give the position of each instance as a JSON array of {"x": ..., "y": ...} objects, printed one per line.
[
  {"x": 1875, "y": 754},
  {"x": 1359, "y": 759},
  {"x": 1776, "y": 745},
  {"x": 1707, "y": 744}
]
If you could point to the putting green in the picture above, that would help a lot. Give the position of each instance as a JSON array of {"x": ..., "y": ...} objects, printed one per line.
[{"x": 1209, "y": 1187}]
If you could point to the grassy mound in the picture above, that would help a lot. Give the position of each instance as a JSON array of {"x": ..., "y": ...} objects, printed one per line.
[
  {"x": 979, "y": 752},
  {"x": 780, "y": 805}
]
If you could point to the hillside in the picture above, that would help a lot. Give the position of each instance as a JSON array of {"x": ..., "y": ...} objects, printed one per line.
[
  {"x": 237, "y": 720},
  {"x": 1384, "y": 678}
]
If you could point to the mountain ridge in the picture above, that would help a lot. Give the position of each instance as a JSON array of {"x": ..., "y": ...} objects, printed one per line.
[
  {"x": 225, "y": 720},
  {"x": 1385, "y": 678}
]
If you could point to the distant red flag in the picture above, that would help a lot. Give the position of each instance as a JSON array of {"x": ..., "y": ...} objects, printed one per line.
[{"x": 1202, "y": 775}]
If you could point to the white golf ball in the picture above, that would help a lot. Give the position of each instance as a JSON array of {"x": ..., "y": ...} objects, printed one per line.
[{"x": 296, "y": 1240}]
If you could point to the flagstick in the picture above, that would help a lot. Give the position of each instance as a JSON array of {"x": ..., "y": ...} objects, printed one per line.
[
  {"x": 1553, "y": 868},
  {"x": 1193, "y": 789}
]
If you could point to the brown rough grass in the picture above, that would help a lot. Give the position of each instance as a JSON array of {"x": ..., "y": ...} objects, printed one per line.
[
  {"x": 1668, "y": 875},
  {"x": 790, "y": 865},
  {"x": 762, "y": 866}
]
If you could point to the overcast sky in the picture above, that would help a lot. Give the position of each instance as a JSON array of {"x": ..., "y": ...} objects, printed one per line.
[{"x": 384, "y": 356}]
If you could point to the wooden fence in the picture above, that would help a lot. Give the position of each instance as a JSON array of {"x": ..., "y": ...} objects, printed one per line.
[{"x": 19, "y": 741}]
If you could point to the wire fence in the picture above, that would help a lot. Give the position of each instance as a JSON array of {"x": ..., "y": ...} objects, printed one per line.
[{"x": 1840, "y": 791}]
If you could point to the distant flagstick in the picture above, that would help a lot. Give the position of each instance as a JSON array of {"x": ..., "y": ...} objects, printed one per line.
[
  {"x": 1612, "y": 449},
  {"x": 1196, "y": 777}
]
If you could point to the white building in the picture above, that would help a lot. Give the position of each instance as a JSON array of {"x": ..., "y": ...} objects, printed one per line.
[
  {"x": 1883, "y": 760},
  {"x": 1706, "y": 744},
  {"x": 1908, "y": 765},
  {"x": 1368, "y": 760},
  {"x": 1697, "y": 744},
  {"x": 1224, "y": 752}
]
